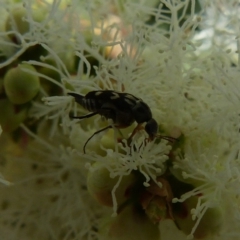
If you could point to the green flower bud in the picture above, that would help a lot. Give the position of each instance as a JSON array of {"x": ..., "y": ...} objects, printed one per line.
[
  {"x": 1, "y": 86},
  {"x": 131, "y": 223},
  {"x": 68, "y": 58},
  {"x": 209, "y": 224},
  {"x": 180, "y": 176},
  {"x": 21, "y": 86},
  {"x": 16, "y": 22},
  {"x": 50, "y": 87},
  {"x": 100, "y": 186},
  {"x": 11, "y": 116}
]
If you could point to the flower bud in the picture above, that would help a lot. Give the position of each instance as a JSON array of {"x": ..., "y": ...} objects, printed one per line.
[
  {"x": 100, "y": 186},
  {"x": 182, "y": 177},
  {"x": 50, "y": 87},
  {"x": 209, "y": 224},
  {"x": 16, "y": 22},
  {"x": 11, "y": 116},
  {"x": 21, "y": 86},
  {"x": 1, "y": 86},
  {"x": 131, "y": 223}
]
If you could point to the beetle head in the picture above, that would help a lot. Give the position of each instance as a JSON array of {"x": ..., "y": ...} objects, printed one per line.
[{"x": 151, "y": 128}]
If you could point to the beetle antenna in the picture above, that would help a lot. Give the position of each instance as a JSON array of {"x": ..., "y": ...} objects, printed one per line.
[
  {"x": 101, "y": 130},
  {"x": 168, "y": 138},
  {"x": 85, "y": 116}
]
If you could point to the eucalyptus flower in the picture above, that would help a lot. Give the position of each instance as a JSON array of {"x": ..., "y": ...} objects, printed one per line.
[{"x": 62, "y": 177}]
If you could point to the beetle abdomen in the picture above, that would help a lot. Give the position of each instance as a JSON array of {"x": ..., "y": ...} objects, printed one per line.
[{"x": 89, "y": 104}]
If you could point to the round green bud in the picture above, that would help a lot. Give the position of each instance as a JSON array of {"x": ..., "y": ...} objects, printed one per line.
[
  {"x": 21, "y": 86},
  {"x": 100, "y": 186},
  {"x": 11, "y": 115},
  {"x": 16, "y": 21},
  {"x": 209, "y": 224},
  {"x": 131, "y": 223},
  {"x": 50, "y": 87},
  {"x": 1, "y": 86}
]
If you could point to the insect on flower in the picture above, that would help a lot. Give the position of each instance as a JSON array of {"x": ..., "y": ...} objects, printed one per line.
[{"x": 122, "y": 108}]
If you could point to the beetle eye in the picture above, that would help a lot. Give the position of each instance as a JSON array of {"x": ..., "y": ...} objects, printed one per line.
[{"x": 151, "y": 128}]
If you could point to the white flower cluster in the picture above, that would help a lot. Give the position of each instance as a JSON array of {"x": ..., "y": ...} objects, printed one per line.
[{"x": 181, "y": 57}]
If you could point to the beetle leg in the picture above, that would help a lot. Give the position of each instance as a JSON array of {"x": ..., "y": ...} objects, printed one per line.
[
  {"x": 101, "y": 130},
  {"x": 145, "y": 141},
  {"x": 136, "y": 129}
]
